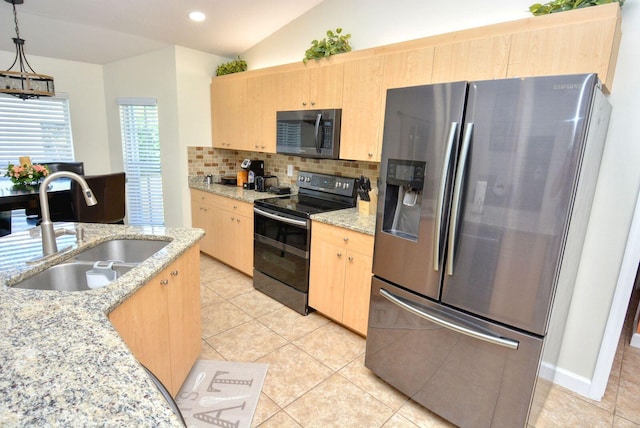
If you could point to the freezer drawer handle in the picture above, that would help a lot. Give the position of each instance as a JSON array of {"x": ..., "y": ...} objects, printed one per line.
[
  {"x": 457, "y": 194},
  {"x": 495, "y": 340},
  {"x": 437, "y": 227}
]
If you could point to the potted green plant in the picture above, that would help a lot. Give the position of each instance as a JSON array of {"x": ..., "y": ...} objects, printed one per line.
[
  {"x": 334, "y": 43},
  {"x": 562, "y": 5},
  {"x": 234, "y": 66}
]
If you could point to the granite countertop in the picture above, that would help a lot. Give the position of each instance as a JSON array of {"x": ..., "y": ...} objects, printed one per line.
[
  {"x": 61, "y": 361},
  {"x": 349, "y": 219}
]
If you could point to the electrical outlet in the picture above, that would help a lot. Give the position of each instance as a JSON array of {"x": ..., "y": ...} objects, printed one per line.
[{"x": 289, "y": 170}]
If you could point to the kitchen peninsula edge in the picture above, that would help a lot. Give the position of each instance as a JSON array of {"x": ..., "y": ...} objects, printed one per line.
[{"x": 61, "y": 360}]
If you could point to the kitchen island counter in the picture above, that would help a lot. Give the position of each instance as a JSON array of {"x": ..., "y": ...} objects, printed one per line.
[{"x": 61, "y": 360}]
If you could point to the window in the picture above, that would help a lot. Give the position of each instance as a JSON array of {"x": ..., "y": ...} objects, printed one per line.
[
  {"x": 39, "y": 128},
  {"x": 141, "y": 152}
]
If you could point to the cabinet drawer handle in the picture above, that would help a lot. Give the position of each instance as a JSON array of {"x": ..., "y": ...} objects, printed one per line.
[
  {"x": 164, "y": 282},
  {"x": 346, "y": 239},
  {"x": 174, "y": 273}
]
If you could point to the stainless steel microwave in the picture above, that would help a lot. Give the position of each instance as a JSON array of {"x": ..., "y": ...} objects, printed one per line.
[{"x": 309, "y": 133}]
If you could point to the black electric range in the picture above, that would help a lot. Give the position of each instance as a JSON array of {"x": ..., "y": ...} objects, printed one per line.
[{"x": 282, "y": 235}]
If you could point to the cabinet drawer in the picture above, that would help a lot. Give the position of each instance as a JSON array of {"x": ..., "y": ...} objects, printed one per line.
[
  {"x": 348, "y": 239},
  {"x": 235, "y": 206},
  {"x": 200, "y": 197}
]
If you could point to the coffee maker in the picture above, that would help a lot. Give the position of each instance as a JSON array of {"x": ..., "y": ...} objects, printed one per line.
[{"x": 255, "y": 168}]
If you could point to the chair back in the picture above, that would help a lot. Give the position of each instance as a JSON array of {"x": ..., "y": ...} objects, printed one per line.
[
  {"x": 109, "y": 190},
  {"x": 77, "y": 167}
]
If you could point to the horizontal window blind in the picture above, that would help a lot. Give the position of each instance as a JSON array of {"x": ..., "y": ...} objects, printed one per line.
[
  {"x": 141, "y": 150},
  {"x": 39, "y": 128}
]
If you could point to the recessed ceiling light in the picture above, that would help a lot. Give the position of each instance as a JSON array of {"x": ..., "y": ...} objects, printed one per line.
[{"x": 197, "y": 16}]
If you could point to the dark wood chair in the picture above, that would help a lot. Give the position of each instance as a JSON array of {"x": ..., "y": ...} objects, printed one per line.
[
  {"x": 59, "y": 204},
  {"x": 109, "y": 190}
]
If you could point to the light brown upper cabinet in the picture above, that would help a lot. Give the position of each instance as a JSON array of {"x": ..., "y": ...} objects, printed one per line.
[
  {"x": 588, "y": 45},
  {"x": 479, "y": 59},
  {"x": 361, "y": 114},
  {"x": 228, "y": 113},
  {"x": 408, "y": 68},
  {"x": 262, "y": 102},
  {"x": 316, "y": 86}
]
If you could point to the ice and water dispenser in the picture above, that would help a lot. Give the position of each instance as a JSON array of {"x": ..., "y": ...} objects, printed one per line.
[{"x": 403, "y": 198}]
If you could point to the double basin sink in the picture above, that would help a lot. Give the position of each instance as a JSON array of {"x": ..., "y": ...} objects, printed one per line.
[{"x": 95, "y": 267}]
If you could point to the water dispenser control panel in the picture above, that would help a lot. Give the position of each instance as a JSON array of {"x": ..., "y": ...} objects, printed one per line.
[{"x": 406, "y": 173}]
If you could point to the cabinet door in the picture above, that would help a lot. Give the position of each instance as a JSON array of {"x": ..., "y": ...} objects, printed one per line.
[
  {"x": 262, "y": 93},
  {"x": 294, "y": 90},
  {"x": 244, "y": 239},
  {"x": 326, "y": 277},
  {"x": 142, "y": 321},
  {"x": 407, "y": 68},
  {"x": 569, "y": 49},
  {"x": 480, "y": 59},
  {"x": 357, "y": 287},
  {"x": 361, "y": 114},
  {"x": 228, "y": 114},
  {"x": 202, "y": 217},
  {"x": 185, "y": 329},
  {"x": 326, "y": 86}
]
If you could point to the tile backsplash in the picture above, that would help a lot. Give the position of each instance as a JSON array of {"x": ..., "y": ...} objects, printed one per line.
[{"x": 219, "y": 162}]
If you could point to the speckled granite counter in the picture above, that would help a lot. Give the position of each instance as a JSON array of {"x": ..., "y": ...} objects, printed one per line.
[
  {"x": 61, "y": 361},
  {"x": 349, "y": 218}
]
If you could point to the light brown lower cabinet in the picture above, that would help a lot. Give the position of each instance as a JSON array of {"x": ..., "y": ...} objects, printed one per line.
[
  {"x": 340, "y": 275},
  {"x": 228, "y": 224},
  {"x": 160, "y": 323}
]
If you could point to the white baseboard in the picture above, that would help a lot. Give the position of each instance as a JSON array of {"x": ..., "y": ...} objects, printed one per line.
[{"x": 566, "y": 379}]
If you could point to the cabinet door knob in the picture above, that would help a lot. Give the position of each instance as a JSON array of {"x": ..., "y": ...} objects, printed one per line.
[
  {"x": 339, "y": 254},
  {"x": 164, "y": 282},
  {"x": 304, "y": 103},
  {"x": 174, "y": 273},
  {"x": 346, "y": 238},
  {"x": 350, "y": 258},
  {"x": 313, "y": 103},
  {"x": 233, "y": 218}
]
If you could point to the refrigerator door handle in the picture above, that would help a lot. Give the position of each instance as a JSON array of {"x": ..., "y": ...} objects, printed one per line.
[
  {"x": 457, "y": 194},
  {"x": 437, "y": 227},
  {"x": 448, "y": 324}
]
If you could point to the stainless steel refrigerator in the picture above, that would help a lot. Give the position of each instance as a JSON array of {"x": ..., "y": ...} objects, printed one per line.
[{"x": 484, "y": 198}]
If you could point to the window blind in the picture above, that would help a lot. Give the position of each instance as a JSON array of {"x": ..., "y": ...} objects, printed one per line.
[
  {"x": 141, "y": 152},
  {"x": 39, "y": 128}
]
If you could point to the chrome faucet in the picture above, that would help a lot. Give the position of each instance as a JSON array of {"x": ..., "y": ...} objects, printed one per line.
[{"x": 49, "y": 245}]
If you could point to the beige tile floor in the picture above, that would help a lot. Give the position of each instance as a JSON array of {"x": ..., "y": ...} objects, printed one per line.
[{"x": 317, "y": 378}]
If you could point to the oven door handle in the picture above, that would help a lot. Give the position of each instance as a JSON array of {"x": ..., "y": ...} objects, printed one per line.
[{"x": 301, "y": 223}]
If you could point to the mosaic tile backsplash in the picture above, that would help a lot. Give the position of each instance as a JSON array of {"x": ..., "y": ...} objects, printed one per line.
[{"x": 219, "y": 162}]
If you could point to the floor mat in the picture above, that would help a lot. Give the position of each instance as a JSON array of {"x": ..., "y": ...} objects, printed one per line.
[{"x": 221, "y": 393}]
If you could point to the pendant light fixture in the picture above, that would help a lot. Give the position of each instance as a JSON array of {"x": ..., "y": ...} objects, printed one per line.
[{"x": 24, "y": 82}]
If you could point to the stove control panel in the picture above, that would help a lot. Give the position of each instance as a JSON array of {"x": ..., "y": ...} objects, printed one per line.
[{"x": 334, "y": 184}]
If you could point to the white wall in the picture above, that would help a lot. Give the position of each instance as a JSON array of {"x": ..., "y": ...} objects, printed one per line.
[
  {"x": 179, "y": 79},
  {"x": 83, "y": 84},
  {"x": 374, "y": 23}
]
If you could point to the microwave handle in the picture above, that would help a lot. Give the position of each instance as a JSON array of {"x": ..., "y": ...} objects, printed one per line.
[{"x": 317, "y": 140}]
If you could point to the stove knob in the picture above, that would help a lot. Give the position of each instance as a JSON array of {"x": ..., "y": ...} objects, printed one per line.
[
  {"x": 308, "y": 179},
  {"x": 345, "y": 186},
  {"x": 300, "y": 178},
  {"x": 337, "y": 184}
]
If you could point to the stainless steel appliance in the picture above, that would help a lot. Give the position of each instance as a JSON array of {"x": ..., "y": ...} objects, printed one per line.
[
  {"x": 485, "y": 194},
  {"x": 309, "y": 133},
  {"x": 282, "y": 235}
]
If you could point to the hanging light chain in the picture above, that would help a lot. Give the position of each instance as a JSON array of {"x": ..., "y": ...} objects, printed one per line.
[{"x": 15, "y": 19}]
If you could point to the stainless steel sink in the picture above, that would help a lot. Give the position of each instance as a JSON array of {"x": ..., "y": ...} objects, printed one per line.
[
  {"x": 71, "y": 275},
  {"x": 124, "y": 250},
  {"x": 67, "y": 276}
]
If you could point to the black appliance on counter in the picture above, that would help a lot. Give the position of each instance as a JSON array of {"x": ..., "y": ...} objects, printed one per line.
[
  {"x": 282, "y": 235},
  {"x": 255, "y": 168},
  {"x": 309, "y": 133}
]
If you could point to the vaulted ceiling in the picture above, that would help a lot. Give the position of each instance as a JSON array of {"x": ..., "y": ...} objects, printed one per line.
[{"x": 100, "y": 31}]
